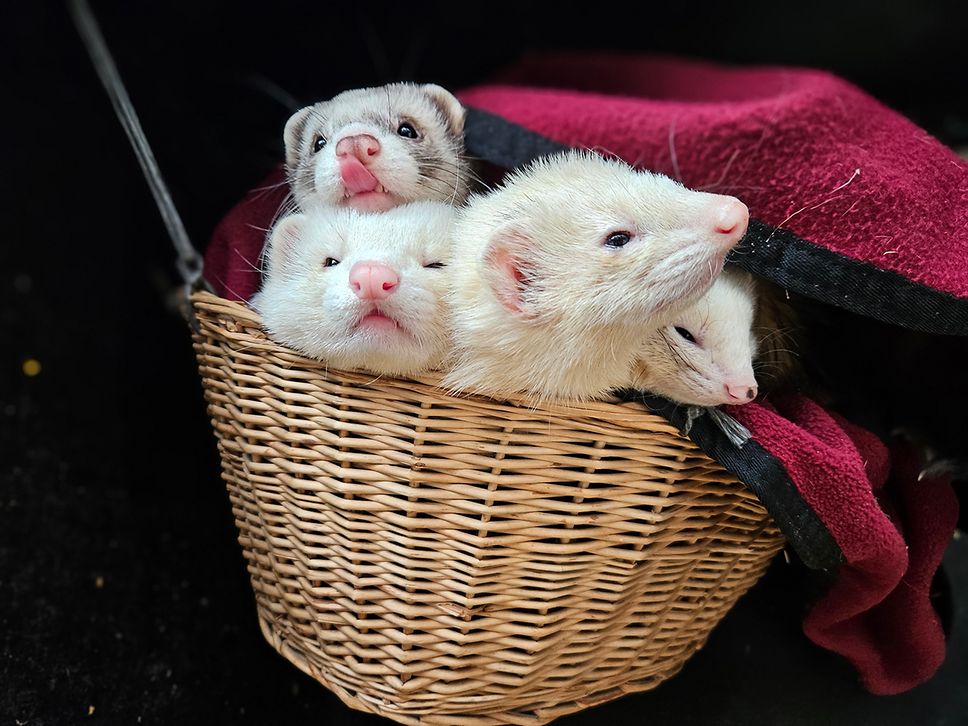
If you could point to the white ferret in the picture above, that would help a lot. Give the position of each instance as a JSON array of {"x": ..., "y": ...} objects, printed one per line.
[
  {"x": 360, "y": 291},
  {"x": 561, "y": 272},
  {"x": 705, "y": 355},
  {"x": 376, "y": 148}
]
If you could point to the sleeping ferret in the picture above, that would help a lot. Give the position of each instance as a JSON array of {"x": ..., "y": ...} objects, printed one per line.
[{"x": 704, "y": 356}]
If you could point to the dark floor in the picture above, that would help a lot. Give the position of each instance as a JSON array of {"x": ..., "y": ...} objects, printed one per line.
[{"x": 123, "y": 597}]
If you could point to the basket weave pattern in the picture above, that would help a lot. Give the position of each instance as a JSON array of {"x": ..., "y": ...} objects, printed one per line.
[{"x": 460, "y": 560}]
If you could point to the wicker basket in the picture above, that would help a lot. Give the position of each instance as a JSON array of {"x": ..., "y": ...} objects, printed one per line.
[{"x": 459, "y": 560}]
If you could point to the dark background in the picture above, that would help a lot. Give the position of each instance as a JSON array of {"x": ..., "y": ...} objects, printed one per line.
[{"x": 123, "y": 596}]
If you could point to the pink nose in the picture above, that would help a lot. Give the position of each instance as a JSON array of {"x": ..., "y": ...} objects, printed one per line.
[
  {"x": 362, "y": 146},
  {"x": 373, "y": 280},
  {"x": 730, "y": 219},
  {"x": 742, "y": 392}
]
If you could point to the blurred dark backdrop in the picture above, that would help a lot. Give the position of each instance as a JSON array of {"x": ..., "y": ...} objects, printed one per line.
[{"x": 123, "y": 597}]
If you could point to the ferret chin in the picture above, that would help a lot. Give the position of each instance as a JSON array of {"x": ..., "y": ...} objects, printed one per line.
[
  {"x": 361, "y": 291},
  {"x": 561, "y": 273},
  {"x": 376, "y": 148}
]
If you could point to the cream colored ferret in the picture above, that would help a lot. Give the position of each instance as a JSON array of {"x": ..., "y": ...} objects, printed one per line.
[
  {"x": 375, "y": 148},
  {"x": 360, "y": 291},
  {"x": 705, "y": 355},
  {"x": 561, "y": 273}
]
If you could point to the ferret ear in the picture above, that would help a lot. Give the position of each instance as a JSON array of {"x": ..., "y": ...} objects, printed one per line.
[
  {"x": 448, "y": 105},
  {"x": 292, "y": 135},
  {"x": 506, "y": 270},
  {"x": 282, "y": 240}
]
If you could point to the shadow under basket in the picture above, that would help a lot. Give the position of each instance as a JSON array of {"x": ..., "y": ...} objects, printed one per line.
[{"x": 461, "y": 560}]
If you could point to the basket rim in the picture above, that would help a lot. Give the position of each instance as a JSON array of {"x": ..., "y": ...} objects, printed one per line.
[{"x": 628, "y": 414}]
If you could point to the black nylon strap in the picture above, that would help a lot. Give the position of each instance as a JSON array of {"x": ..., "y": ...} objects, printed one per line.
[
  {"x": 855, "y": 286},
  {"x": 765, "y": 476},
  {"x": 770, "y": 252},
  {"x": 495, "y": 139}
]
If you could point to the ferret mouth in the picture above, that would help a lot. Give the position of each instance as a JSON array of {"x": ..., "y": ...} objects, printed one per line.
[
  {"x": 378, "y": 321},
  {"x": 378, "y": 199}
]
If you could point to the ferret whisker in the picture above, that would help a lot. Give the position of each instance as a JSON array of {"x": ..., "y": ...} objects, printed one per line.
[
  {"x": 437, "y": 187},
  {"x": 274, "y": 91},
  {"x": 785, "y": 350},
  {"x": 224, "y": 284},
  {"x": 722, "y": 176},
  {"x": 672, "y": 150},
  {"x": 771, "y": 337},
  {"x": 270, "y": 187},
  {"x": 675, "y": 352},
  {"x": 783, "y": 330},
  {"x": 247, "y": 262},
  {"x": 778, "y": 345},
  {"x": 607, "y": 153},
  {"x": 454, "y": 170}
]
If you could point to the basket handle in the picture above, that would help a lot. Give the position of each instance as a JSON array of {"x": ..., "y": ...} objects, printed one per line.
[{"x": 188, "y": 262}]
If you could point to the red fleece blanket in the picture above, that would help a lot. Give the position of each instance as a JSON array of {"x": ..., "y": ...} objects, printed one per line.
[
  {"x": 852, "y": 205},
  {"x": 890, "y": 528}
]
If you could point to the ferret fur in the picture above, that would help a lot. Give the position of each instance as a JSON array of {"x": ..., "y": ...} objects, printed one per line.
[
  {"x": 721, "y": 351},
  {"x": 541, "y": 306},
  {"x": 430, "y": 167},
  {"x": 311, "y": 307}
]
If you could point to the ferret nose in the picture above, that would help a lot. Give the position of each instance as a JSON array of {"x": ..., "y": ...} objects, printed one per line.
[
  {"x": 742, "y": 392},
  {"x": 730, "y": 219},
  {"x": 362, "y": 146},
  {"x": 373, "y": 280}
]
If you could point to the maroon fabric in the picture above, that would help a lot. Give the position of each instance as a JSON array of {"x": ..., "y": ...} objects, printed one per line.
[
  {"x": 786, "y": 141},
  {"x": 233, "y": 253},
  {"x": 877, "y": 613}
]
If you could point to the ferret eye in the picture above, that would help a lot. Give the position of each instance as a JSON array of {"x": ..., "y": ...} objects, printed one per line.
[
  {"x": 330, "y": 262},
  {"x": 435, "y": 265},
  {"x": 319, "y": 142},
  {"x": 618, "y": 239},
  {"x": 407, "y": 130},
  {"x": 685, "y": 334}
]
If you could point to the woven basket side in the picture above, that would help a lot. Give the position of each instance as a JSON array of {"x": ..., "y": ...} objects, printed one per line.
[{"x": 458, "y": 560}]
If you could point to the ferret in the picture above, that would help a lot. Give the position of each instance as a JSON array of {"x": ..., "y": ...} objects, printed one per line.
[
  {"x": 704, "y": 356},
  {"x": 561, "y": 272},
  {"x": 375, "y": 148},
  {"x": 360, "y": 291}
]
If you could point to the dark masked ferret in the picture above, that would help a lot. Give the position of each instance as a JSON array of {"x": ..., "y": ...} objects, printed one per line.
[
  {"x": 360, "y": 291},
  {"x": 375, "y": 148},
  {"x": 561, "y": 273},
  {"x": 704, "y": 356}
]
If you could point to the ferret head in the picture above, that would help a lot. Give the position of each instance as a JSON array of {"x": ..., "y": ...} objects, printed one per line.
[
  {"x": 359, "y": 290},
  {"x": 705, "y": 356},
  {"x": 375, "y": 148},
  {"x": 577, "y": 235},
  {"x": 561, "y": 272}
]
